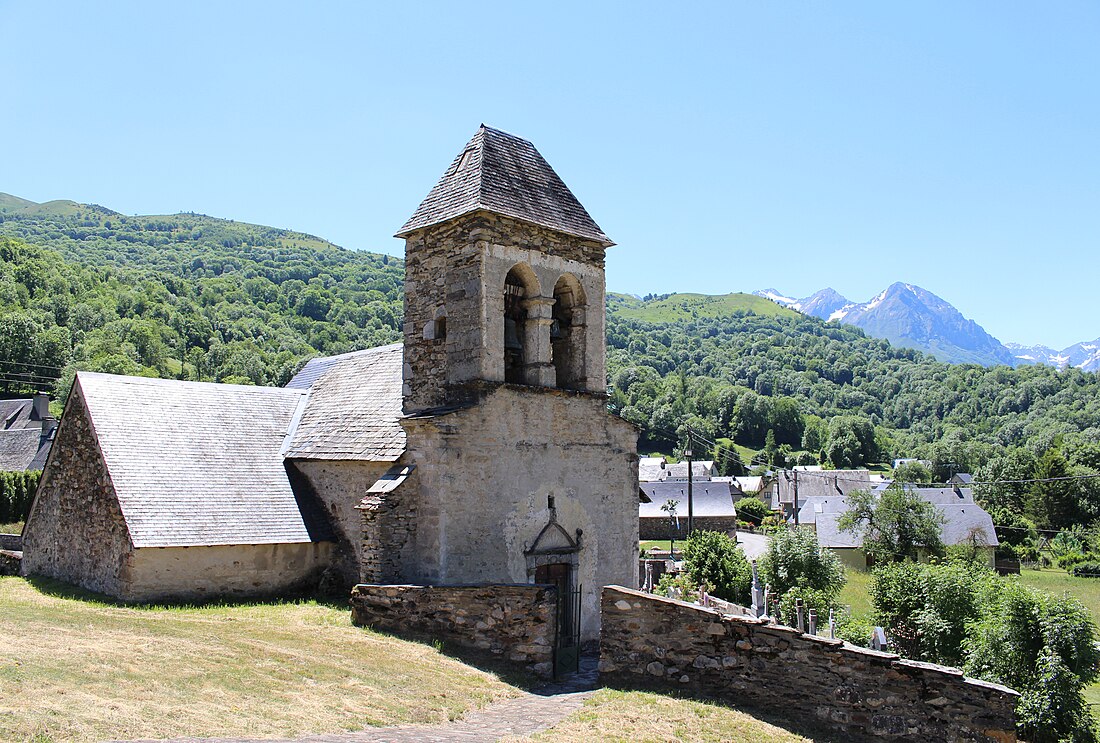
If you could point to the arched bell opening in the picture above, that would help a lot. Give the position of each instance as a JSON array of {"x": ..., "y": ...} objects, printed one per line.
[
  {"x": 520, "y": 285},
  {"x": 567, "y": 333}
]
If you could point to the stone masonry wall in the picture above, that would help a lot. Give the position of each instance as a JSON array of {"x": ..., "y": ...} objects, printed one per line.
[
  {"x": 341, "y": 486},
  {"x": 75, "y": 531},
  {"x": 512, "y": 622},
  {"x": 652, "y": 642},
  {"x": 658, "y": 528},
  {"x": 388, "y": 524}
]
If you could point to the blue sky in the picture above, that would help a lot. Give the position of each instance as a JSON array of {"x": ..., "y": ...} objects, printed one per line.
[{"x": 725, "y": 147}]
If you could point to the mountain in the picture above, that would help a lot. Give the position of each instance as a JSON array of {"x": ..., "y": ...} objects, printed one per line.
[
  {"x": 909, "y": 316},
  {"x": 1084, "y": 356}
]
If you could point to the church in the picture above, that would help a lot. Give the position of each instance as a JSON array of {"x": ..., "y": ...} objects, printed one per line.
[{"x": 477, "y": 451}]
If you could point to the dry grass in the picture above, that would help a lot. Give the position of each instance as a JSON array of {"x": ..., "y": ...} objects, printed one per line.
[
  {"x": 639, "y": 717},
  {"x": 12, "y": 528},
  {"x": 73, "y": 668}
]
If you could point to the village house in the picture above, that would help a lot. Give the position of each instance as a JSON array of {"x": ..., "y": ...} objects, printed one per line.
[
  {"x": 964, "y": 522},
  {"x": 712, "y": 509},
  {"x": 26, "y": 433},
  {"x": 479, "y": 451}
]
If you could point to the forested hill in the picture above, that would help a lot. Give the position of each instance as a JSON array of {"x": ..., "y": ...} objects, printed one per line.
[
  {"x": 741, "y": 375},
  {"x": 194, "y": 297},
  {"x": 184, "y": 295}
]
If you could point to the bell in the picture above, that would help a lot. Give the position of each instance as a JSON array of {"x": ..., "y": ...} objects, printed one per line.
[{"x": 511, "y": 338}]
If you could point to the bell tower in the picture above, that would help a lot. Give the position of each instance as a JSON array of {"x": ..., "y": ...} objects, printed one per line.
[{"x": 504, "y": 280}]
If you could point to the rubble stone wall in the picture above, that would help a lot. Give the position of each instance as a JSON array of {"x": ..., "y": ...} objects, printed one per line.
[
  {"x": 658, "y": 528},
  {"x": 513, "y": 622},
  {"x": 651, "y": 642}
]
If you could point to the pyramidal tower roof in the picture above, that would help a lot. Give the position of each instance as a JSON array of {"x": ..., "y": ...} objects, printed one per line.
[{"x": 502, "y": 173}]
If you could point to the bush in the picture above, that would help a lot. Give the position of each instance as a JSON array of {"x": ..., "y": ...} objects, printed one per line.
[
  {"x": 16, "y": 492},
  {"x": 854, "y": 630},
  {"x": 713, "y": 558},
  {"x": 1086, "y": 570},
  {"x": 796, "y": 567},
  {"x": 752, "y": 509}
]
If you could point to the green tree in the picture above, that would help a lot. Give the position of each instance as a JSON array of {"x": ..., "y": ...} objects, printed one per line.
[
  {"x": 894, "y": 525},
  {"x": 751, "y": 509},
  {"x": 713, "y": 558},
  {"x": 797, "y": 567},
  {"x": 912, "y": 472}
]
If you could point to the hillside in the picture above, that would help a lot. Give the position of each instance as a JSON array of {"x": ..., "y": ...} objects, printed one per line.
[
  {"x": 186, "y": 296},
  {"x": 675, "y": 307}
]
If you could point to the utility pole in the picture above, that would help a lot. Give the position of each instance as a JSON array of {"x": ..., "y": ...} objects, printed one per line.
[
  {"x": 795, "y": 489},
  {"x": 691, "y": 510}
]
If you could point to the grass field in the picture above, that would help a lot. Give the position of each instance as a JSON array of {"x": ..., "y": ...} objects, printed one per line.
[
  {"x": 16, "y": 528},
  {"x": 638, "y": 717},
  {"x": 77, "y": 669}
]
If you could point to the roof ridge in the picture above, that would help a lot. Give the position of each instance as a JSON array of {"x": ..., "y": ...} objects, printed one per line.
[{"x": 163, "y": 382}]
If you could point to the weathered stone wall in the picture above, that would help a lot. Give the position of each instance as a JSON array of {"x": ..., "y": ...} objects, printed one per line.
[
  {"x": 227, "y": 571},
  {"x": 11, "y": 542},
  {"x": 341, "y": 486},
  {"x": 658, "y": 528},
  {"x": 485, "y": 476},
  {"x": 513, "y": 622},
  {"x": 11, "y": 562},
  {"x": 75, "y": 531},
  {"x": 653, "y": 642},
  {"x": 388, "y": 528},
  {"x": 457, "y": 270}
]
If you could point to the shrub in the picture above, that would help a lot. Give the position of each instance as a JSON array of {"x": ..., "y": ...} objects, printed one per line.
[
  {"x": 16, "y": 492},
  {"x": 752, "y": 509},
  {"x": 712, "y": 557},
  {"x": 1086, "y": 570},
  {"x": 796, "y": 567}
]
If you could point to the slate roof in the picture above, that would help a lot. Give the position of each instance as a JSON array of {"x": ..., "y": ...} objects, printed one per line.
[
  {"x": 651, "y": 469},
  {"x": 353, "y": 407},
  {"x": 502, "y": 173},
  {"x": 19, "y": 449},
  {"x": 708, "y": 498},
  {"x": 195, "y": 463},
  {"x": 824, "y": 483}
]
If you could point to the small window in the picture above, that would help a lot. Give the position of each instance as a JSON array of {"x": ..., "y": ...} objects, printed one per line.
[{"x": 441, "y": 328}]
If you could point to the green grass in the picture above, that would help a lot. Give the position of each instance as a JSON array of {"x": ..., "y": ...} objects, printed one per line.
[
  {"x": 74, "y": 667},
  {"x": 856, "y": 594},
  {"x": 641, "y": 717},
  {"x": 1059, "y": 582},
  {"x": 687, "y": 306},
  {"x": 13, "y": 528}
]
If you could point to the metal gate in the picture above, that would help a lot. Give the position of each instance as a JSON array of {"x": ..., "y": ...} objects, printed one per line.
[{"x": 567, "y": 642}]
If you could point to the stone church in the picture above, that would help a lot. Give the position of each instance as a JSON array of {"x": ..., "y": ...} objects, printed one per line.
[{"x": 478, "y": 451}]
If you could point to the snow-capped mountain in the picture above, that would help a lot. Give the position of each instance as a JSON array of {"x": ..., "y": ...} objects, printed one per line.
[
  {"x": 909, "y": 316},
  {"x": 1084, "y": 356}
]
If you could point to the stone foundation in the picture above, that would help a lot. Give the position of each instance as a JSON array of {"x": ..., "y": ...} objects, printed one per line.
[
  {"x": 11, "y": 562},
  {"x": 652, "y": 642},
  {"x": 515, "y": 622},
  {"x": 659, "y": 528}
]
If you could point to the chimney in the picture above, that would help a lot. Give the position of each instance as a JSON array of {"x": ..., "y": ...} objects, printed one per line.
[{"x": 40, "y": 409}]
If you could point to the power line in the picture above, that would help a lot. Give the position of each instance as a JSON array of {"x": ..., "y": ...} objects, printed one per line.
[{"x": 29, "y": 365}]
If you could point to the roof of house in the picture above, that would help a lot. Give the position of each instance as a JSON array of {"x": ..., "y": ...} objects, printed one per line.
[
  {"x": 962, "y": 478},
  {"x": 824, "y": 483},
  {"x": 750, "y": 485},
  {"x": 353, "y": 408},
  {"x": 19, "y": 449},
  {"x": 699, "y": 469},
  {"x": 199, "y": 464},
  {"x": 651, "y": 469},
  {"x": 961, "y": 518},
  {"x": 707, "y": 499},
  {"x": 502, "y": 173},
  {"x": 317, "y": 366}
]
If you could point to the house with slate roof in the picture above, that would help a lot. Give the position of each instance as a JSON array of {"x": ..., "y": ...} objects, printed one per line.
[
  {"x": 26, "y": 433},
  {"x": 478, "y": 451},
  {"x": 965, "y": 523}
]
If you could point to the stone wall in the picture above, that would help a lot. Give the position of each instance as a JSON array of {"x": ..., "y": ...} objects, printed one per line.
[
  {"x": 75, "y": 531},
  {"x": 11, "y": 542},
  {"x": 485, "y": 478},
  {"x": 11, "y": 562},
  {"x": 513, "y": 622},
  {"x": 388, "y": 523},
  {"x": 224, "y": 571},
  {"x": 340, "y": 486},
  {"x": 457, "y": 270},
  {"x": 658, "y": 528},
  {"x": 652, "y": 642}
]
